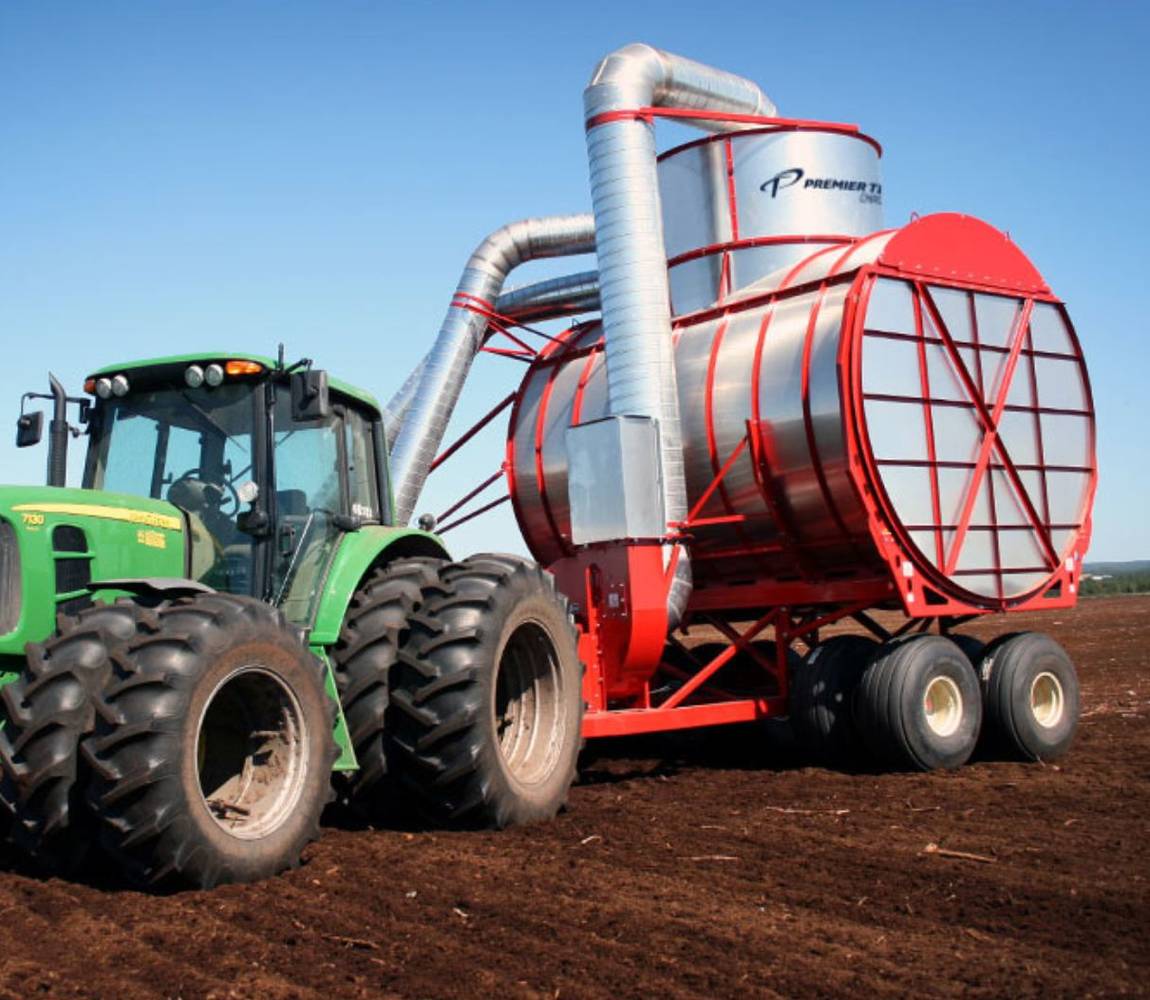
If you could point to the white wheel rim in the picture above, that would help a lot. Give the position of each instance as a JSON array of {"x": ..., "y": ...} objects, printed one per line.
[
  {"x": 1047, "y": 701},
  {"x": 942, "y": 704},
  {"x": 256, "y": 787}
]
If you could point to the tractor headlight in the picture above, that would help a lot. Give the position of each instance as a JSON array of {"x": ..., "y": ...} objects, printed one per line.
[
  {"x": 213, "y": 375},
  {"x": 194, "y": 376},
  {"x": 104, "y": 388},
  {"x": 119, "y": 386}
]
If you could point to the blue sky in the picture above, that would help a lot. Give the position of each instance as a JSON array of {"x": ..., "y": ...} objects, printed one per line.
[{"x": 178, "y": 175}]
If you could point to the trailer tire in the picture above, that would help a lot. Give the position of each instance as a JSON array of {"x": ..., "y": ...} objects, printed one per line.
[
  {"x": 364, "y": 657},
  {"x": 973, "y": 648},
  {"x": 1031, "y": 696},
  {"x": 487, "y": 696},
  {"x": 822, "y": 698},
  {"x": 212, "y": 756},
  {"x": 918, "y": 705},
  {"x": 44, "y": 715}
]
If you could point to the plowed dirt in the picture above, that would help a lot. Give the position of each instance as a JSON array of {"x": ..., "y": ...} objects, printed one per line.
[{"x": 683, "y": 868}]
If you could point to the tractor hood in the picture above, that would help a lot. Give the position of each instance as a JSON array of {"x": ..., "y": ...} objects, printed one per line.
[{"x": 57, "y": 544}]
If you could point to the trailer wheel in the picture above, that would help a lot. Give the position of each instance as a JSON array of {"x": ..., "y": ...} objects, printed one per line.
[
  {"x": 973, "y": 648},
  {"x": 44, "y": 714},
  {"x": 1031, "y": 696},
  {"x": 487, "y": 696},
  {"x": 364, "y": 656},
  {"x": 918, "y": 704},
  {"x": 212, "y": 756},
  {"x": 822, "y": 698}
]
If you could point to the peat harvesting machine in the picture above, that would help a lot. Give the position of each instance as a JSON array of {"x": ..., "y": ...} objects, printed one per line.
[{"x": 773, "y": 415}]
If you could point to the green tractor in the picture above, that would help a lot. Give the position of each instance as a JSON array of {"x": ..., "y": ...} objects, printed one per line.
[{"x": 223, "y": 628}]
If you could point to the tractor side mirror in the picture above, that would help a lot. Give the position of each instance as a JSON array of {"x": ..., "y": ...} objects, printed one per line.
[
  {"x": 29, "y": 429},
  {"x": 309, "y": 395}
]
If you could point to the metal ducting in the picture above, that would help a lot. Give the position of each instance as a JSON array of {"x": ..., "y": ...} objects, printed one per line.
[
  {"x": 629, "y": 242},
  {"x": 442, "y": 375},
  {"x": 538, "y": 302}
]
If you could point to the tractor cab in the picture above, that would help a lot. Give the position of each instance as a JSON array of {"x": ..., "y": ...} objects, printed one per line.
[{"x": 269, "y": 465}]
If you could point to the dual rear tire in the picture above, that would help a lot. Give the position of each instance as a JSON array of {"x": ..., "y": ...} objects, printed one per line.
[
  {"x": 486, "y": 696},
  {"x": 925, "y": 702}
]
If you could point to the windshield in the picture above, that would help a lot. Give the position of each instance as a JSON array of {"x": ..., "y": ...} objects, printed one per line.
[{"x": 194, "y": 448}]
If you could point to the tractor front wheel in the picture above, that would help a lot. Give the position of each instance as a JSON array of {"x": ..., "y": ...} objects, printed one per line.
[
  {"x": 213, "y": 750},
  {"x": 487, "y": 695}
]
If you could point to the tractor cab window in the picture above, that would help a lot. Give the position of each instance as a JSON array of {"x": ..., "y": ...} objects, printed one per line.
[
  {"x": 309, "y": 499},
  {"x": 193, "y": 448},
  {"x": 361, "y": 476}
]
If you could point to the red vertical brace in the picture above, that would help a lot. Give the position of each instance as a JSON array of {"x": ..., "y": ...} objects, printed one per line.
[{"x": 928, "y": 420}]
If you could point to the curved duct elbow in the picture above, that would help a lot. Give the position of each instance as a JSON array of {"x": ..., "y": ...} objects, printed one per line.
[
  {"x": 442, "y": 373},
  {"x": 540, "y": 301},
  {"x": 634, "y": 294}
]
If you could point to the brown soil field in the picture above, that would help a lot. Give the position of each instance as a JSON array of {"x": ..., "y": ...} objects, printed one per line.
[{"x": 683, "y": 868}]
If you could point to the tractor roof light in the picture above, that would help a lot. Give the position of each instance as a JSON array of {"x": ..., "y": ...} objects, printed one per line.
[
  {"x": 104, "y": 388},
  {"x": 238, "y": 367},
  {"x": 194, "y": 376},
  {"x": 90, "y": 385},
  {"x": 213, "y": 375},
  {"x": 119, "y": 385}
]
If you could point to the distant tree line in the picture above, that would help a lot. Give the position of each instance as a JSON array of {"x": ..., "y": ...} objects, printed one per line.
[{"x": 1119, "y": 583}]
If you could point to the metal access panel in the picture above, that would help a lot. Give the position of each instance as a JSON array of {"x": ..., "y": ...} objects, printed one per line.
[{"x": 615, "y": 483}]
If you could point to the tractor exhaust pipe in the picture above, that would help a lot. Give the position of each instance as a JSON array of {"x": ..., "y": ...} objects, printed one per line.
[
  {"x": 58, "y": 435},
  {"x": 633, "y": 286}
]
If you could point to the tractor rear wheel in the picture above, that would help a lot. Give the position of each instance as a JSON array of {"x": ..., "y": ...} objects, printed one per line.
[
  {"x": 918, "y": 704},
  {"x": 212, "y": 756},
  {"x": 365, "y": 655},
  {"x": 822, "y": 698},
  {"x": 1030, "y": 691},
  {"x": 44, "y": 714},
  {"x": 487, "y": 695}
]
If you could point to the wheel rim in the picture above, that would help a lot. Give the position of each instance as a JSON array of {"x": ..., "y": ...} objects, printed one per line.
[
  {"x": 942, "y": 703},
  {"x": 1047, "y": 702},
  {"x": 251, "y": 756},
  {"x": 528, "y": 704}
]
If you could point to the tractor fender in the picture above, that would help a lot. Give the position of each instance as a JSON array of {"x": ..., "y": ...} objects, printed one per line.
[{"x": 359, "y": 553}]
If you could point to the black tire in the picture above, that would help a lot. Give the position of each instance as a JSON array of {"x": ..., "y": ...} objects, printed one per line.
[
  {"x": 1031, "y": 696},
  {"x": 214, "y": 687},
  {"x": 973, "y": 648},
  {"x": 364, "y": 656},
  {"x": 822, "y": 699},
  {"x": 918, "y": 704},
  {"x": 487, "y": 624},
  {"x": 44, "y": 714}
]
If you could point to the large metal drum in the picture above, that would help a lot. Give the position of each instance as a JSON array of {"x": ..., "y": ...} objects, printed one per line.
[
  {"x": 739, "y": 206},
  {"x": 917, "y": 392}
]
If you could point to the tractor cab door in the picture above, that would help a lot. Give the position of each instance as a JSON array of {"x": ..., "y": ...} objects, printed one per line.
[{"x": 325, "y": 484}]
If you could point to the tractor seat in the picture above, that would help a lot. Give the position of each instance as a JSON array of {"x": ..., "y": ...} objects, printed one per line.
[{"x": 292, "y": 503}]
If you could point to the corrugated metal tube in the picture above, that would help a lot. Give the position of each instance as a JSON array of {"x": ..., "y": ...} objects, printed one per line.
[
  {"x": 538, "y": 302},
  {"x": 629, "y": 236},
  {"x": 442, "y": 375}
]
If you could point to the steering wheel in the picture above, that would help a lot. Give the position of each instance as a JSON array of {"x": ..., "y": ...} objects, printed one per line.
[{"x": 229, "y": 502}]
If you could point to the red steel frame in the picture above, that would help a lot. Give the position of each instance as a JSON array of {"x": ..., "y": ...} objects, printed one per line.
[{"x": 619, "y": 590}]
